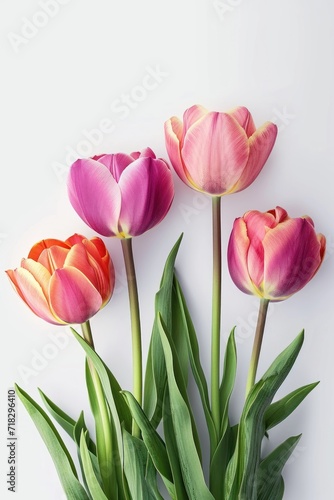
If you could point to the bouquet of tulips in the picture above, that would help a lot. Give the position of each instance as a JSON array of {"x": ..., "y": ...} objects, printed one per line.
[{"x": 146, "y": 443}]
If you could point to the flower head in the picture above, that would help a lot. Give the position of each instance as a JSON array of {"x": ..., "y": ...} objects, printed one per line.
[
  {"x": 218, "y": 153},
  {"x": 65, "y": 281},
  {"x": 119, "y": 194},
  {"x": 272, "y": 255}
]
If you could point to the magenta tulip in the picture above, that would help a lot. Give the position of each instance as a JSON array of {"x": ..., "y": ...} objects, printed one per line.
[
  {"x": 218, "y": 153},
  {"x": 273, "y": 256},
  {"x": 65, "y": 281},
  {"x": 121, "y": 195}
]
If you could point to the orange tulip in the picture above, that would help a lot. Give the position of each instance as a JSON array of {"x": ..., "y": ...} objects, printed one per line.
[{"x": 65, "y": 282}]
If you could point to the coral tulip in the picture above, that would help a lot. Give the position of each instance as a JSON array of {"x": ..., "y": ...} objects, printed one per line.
[
  {"x": 65, "y": 281},
  {"x": 218, "y": 153},
  {"x": 273, "y": 256},
  {"x": 121, "y": 195}
]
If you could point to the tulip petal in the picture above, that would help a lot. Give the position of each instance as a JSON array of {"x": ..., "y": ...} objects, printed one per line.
[
  {"x": 260, "y": 143},
  {"x": 32, "y": 294},
  {"x": 215, "y": 153},
  {"x": 106, "y": 271},
  {"x": 75, "y": 238},
  {"x": 237, "y": 253},
  {"x": 39, "y": 272},
  {"x": 258, "y": 224},
  {"x": 173, "y": 139},
  {"x": 147, "y": 193},
  {"x": 192, "y": 115},
  {"x": 53, "y": 258},
  {"x": 73, "y": 298},
  {"x": 244, "y": 118},
  {"x": 147, "y": 153},
  {"x": 77, "y": 257},
  {"x": 292, "y": 257},
  {"x": 95, "y": 196},
  {"x": 94, "y": 270},
  {"x": 115, "y": 163},
  {"x": 38, "y": 248}
]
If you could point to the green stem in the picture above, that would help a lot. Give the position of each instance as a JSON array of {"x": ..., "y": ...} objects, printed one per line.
[
  {"x": 135, "y": 325},
  {"x": 261, "y": 321},
  {"x": 216, "y": 312},
  {"x": 102, "y": 419}
]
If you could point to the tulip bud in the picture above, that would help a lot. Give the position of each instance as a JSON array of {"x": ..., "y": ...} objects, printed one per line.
[
  {"x": 273, "y": 256},
  {"x": 121, "y": 195},
  {"x": 218, "y": 153},
  {"x": 65, "y": 281}
]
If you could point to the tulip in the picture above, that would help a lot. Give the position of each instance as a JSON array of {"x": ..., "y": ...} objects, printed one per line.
[
  {"x": 124, "y": 196},
  {"x": 121, "y": 195},
  {"x": 273, "y": 256},
  {"x": 218, "y": 153},
  {"x": 65, "y": 282}
]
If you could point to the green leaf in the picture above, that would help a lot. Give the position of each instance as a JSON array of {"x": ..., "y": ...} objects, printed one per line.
[
  {"x": 228, "y": 435},
  {"x": 177, "y": 374},
  {"x": 191, "y": 467},
  {"x": 89, "y": 472},
  {"x": 228, "y": 380},
  {"x": 111, "y": 396},
  {"x": 57, "y": 449},
  {"x": 243, "y": 465},
  {"x": 221, "y": 458},
  {"x": 104, "y": 378},
  {"x": 151, "y": 479},
  {"x": 189, "y": 332},
  {"x": 172, "y": 451},
  {"x": 280, "y": 410},
  {"x": 66, "y": 422},
  {"x": 80, "y": 426},
  {"x": 179, "y": 334},
  {"x": 269, "y": 479},
  {"x": 153, "y": 442},
  {"x": 155, "y": 376},
  {"x": 135, "y": 460}
]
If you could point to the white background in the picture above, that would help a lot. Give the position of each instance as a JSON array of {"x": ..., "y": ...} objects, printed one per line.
[{"x": 59, "y": 81}]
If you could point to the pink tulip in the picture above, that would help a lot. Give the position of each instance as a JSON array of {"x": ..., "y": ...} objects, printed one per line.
[
  {"x": 65, "y": 281},
  {"x": 218, "y": 153},
  {"x": 121, "y": 195},
  {"x": 272, "y": 255}
]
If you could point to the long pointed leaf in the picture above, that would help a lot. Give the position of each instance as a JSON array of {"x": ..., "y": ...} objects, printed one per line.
[
  {"x": 155, "y": 376},
  {"x": 57, "y": 449},
  {"x": 64, "y": 420},
  {"x": 111, "y": 397},
  {"x": 172, "y": 450},
  {"x": 243, "y": 465},
  {"x": 189, "y": 331},
  {"x": 135, "y": 460},
  {"x": 269, "y": 481},
  {"x": 191, "y": 467},
  {"x": 79, "y": 428},
  {"x": 280, "y": 410},
  {"x": 88, "y": 469},
  {"x": 228, "y": 380},
  {"x": 154, "y": 444}
]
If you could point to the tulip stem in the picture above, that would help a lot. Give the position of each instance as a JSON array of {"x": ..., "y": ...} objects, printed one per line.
[
  {"x": 261, "y": 321},
  {"x": 216, "y": 311},
  {"x": 135, "y": 325},
  {"x": 102, "y": 418}
]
